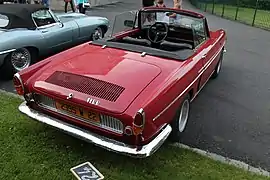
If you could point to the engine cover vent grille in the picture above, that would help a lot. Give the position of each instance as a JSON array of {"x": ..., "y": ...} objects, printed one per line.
[{"x": 87, "y": 85}]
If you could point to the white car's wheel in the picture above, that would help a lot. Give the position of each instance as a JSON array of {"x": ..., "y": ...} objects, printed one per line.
[
  {"x": 98, "y": 34},
  {"x": 181, "y": 119}
]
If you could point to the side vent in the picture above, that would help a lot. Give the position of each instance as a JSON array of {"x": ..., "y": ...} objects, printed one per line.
[{"x": 87, "y": 85}]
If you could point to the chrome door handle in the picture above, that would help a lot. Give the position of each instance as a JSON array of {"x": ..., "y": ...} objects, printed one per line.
[
  {"x": 44, "y": 31},
  {"x": 204, "y": 56}
]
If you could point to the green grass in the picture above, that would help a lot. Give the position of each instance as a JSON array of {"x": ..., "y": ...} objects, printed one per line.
[
  {"x": 31, "y": 150},
  {"x": 245, "y": 15}
]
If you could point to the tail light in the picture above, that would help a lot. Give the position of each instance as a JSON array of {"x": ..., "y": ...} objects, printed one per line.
[
  {"x": 138, "y": 123},
  {"x": 18, "y": 84}
]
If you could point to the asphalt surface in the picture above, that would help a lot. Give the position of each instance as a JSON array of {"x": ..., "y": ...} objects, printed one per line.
[{"x": 231, "y": 115}]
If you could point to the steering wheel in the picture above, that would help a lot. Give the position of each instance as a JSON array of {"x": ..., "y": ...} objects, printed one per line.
[{"x": 158, "y": 32}]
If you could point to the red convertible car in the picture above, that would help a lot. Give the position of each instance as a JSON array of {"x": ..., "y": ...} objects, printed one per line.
[{"x": 129, "y": 92}]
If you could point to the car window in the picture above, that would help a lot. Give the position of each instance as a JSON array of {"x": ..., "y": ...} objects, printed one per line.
[
  {"x": 199, "y": 31},
  {"x": 120, "y": 19},
  {"x": 148, "y": 18},
  {"x": 43, "y": 17},
  {"x": 3, "y": 21},
  {"x": 195, "y": 26}
]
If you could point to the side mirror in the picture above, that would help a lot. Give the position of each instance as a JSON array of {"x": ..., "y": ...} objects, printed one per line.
[
  {"x": 60, "y": 24},
  {"x": 128, "y": 23}
]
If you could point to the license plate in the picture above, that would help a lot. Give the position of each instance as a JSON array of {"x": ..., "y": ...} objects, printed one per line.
[{"x": 78, "y": 111}]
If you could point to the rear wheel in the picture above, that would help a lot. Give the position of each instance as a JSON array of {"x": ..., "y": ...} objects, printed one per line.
[
  {"x": 181, "y": 119},
  {"x": 16, "y": 61},
  {"x": 218, "y": 67},
  {"x": 98, "y": 34}
]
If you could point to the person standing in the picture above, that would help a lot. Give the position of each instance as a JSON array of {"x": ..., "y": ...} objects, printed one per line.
[
  {"x": 177, "y": 4},
  {"x": 160, "y": 3},
  {"x": 82, "y": 5},
  {"x": 45, "y": 3},
  {"x": 71, "y": 4}
]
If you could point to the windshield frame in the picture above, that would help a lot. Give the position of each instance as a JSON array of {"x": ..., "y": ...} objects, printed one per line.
[
  {"x": 156, "y": 10},
  {"x": 134, "y": 12},
  {"x": 138, "y": 18}
]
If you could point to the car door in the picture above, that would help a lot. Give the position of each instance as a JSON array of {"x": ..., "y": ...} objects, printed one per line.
[
  {"x": 86, "y": 28},
  {"x": 56, "y": 34},
  {"x": 205, "y": 48}
]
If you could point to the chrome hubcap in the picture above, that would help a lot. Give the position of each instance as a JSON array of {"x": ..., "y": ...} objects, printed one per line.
[
  {"x": 97, "y": 34},
  {"x": 20, "y": 59},
  {"x": 183, "y": 115}
]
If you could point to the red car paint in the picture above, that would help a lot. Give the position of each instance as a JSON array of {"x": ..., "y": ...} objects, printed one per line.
[{"x": 155, "y": 84}]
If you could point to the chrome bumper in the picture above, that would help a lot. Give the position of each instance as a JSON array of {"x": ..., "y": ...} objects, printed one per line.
[{"x": 109, "y": 144}]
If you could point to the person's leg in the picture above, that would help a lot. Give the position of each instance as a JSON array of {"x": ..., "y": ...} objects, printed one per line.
[
  {"x": 177, "y": 4},
  {"x": 72, "y": 5},
  {"x": 83, "y": 10},
  {"x": 66, "y": 4},
  {"x": 80, "y": 7},
  {"x": 47, "y": 4}
]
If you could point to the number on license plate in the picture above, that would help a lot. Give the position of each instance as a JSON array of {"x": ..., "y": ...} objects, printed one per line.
[{"x": 78, "y": 111}]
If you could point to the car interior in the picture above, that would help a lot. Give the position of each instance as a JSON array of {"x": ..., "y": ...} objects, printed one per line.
[
  {"x": 162, "y": 36},
  {"x": 42, "y": 18}
]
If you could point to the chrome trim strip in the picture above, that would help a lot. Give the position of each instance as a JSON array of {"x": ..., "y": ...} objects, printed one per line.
[
  {"x": 7, "y": 51},
  {"x": 47, "y": 26},
  {"x": 106, "y": 143},
  {"x": 202, "y": 86},
  {"x": 34, "y": 21},
  {"x": 56, "y": 19},
  {"x": 224, "y": 51},
  {"x": 183, "y": 92}
]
